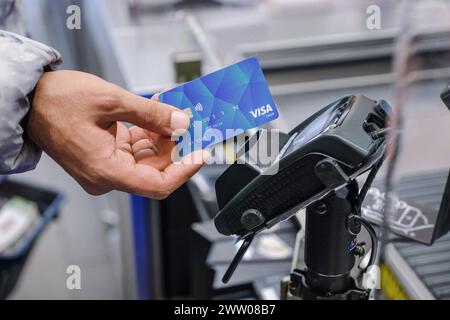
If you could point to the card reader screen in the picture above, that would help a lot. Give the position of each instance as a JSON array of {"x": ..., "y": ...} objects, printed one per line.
[{"x": 322, "y": 123}]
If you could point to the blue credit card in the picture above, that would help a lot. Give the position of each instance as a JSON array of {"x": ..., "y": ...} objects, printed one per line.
[{"x": 223, "y": 104}]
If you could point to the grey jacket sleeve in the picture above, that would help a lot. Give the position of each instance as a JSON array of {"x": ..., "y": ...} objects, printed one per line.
[{"x": 22, "y": 62}]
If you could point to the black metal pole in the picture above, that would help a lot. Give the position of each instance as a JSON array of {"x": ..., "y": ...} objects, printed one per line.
[{"x": 328, "y": 245}]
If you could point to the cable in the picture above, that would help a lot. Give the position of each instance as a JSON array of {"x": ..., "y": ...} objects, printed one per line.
[
  {"x": 373, "y": 239},
  {"x": 361, "y": 196},
  {"x": 237, "y": 258},
  {"x": 379, "y": 133},
  {"x": 365, "y": 188}
]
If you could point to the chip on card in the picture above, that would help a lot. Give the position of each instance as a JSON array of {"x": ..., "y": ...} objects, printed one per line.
[{"x": 223, "y": 104}]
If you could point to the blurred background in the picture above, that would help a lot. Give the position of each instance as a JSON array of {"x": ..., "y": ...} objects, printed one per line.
[{"x": 312, "y": 53}]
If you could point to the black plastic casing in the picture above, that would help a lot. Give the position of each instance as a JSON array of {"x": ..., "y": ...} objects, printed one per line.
[{"x": 349, "y": 143}]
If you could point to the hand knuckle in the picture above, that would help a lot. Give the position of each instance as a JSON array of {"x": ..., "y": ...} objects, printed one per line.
[
  {"x": 108, "y": 101},
  {"x": 151, "y": 116}
]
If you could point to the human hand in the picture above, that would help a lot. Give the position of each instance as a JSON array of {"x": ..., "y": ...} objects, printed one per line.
[{"x": 76, "y": 119}]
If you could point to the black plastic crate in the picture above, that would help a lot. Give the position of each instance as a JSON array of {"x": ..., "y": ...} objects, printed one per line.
[{"x": 48, "y": 202}]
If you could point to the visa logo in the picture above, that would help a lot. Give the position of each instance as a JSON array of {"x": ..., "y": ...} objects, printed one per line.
[{"x": 258, "y": 112}]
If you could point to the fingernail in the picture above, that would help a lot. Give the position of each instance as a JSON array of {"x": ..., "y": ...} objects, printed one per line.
[{"x": 179, "y": 120}]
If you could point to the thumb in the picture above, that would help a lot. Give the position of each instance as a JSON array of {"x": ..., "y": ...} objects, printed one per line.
[{"x": 151, "y": 114}]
